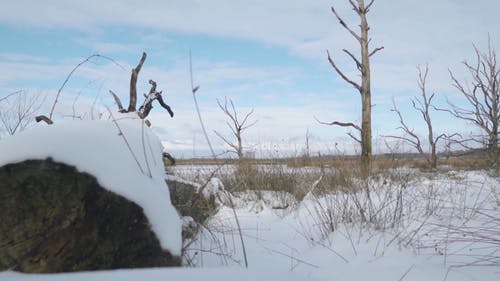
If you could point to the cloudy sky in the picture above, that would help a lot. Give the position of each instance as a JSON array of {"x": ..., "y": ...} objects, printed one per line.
[{"x": 269, "y": 56}]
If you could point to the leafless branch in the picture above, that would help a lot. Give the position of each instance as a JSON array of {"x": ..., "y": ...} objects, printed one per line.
[
  {"x": 341, "y": 124},
  {"x": 122, "y": 135},
  {"x": 332, "y": 63},
  {"x": 19, "y": 112},
  {"x": 367, "y": 7},
  {"x": 153, "y": 95},
  {"x": 11, "y": 94},
  {"x": 133, "y": 83},
  {"x": 193, "y": 90},
  {"x": 483, "y": 97},
  {"x": 71, "y": 73},
  {"x": 164, "y": 105},
  {"x": 44, "y": 118},
  {"x": 342, "y": 22},
  {"x": 421, "y": 104},
  {"x": 354, "y": 138},
  {"x": 118, "y": 102},
  {"x": 225, "y": 140},
  {"x": 412, "y": 138},
  {"x": 358, "y": 64},
  {"x": 237, "y": 126},
  {"x": 375, "y": 51}
]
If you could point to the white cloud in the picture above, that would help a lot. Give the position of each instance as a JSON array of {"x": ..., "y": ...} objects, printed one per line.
[
  {"x": 13, "y": 70},
  {"x": 413, "y": 32},
  {"x": 103, "y": 47}
]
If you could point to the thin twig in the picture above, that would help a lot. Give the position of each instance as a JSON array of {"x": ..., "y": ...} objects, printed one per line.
[
  {"x": 292, "y": 257},
  {"x": 144, "y": 149},
  {"x": 71, "y": 73},
  {"x": 120, "y": 133},
  {"x": 11, "y": 94},
  {"x": 194, "y": 89}
]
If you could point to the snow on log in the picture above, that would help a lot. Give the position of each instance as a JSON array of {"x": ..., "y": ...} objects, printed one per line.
[{"x": 78, "y": 191}]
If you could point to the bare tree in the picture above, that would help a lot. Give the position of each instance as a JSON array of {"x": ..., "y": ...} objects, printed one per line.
[
  {"x": 363, "y": 88},
  {"x": 236, "y": 125},
  {"x": 423, "y": 105},
  {"x": 483, "y": 96},
  {"x": 18, "y": 111}
]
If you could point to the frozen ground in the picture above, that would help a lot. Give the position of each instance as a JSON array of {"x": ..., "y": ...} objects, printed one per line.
[
  {"x": 417, "y": 227},
  {"x": 447, "y": 229}
]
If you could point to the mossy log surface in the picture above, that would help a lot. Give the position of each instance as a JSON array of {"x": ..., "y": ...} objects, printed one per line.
[{"x": 56, "y": 219}]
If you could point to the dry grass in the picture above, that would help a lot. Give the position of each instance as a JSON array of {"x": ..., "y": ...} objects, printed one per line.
[
  {"x": 248, "y": 176},
  {"x": 380, "y": 162},
  {"x": 387, "y": 202}
]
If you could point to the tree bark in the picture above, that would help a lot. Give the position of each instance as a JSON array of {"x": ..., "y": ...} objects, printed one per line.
[{"x": 366, "y": 115}]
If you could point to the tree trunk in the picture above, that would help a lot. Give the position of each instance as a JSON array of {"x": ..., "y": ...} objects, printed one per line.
[
  {"x": 366, "y": 122},
  {"x": 432, "y": 141},
  {"x": 240, "y": 146},
  {"x": 430, "y": 131},
  {"x": 363, "y": 65}
]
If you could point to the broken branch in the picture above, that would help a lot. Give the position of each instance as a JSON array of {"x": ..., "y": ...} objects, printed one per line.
[
  {"x": 118, "y": 102},
  {"x": 44, "y": 118},
  {"x": 133, "y": 83},
  {"x": 341, "y": 124},
  {"x": 164, "y": 105}
]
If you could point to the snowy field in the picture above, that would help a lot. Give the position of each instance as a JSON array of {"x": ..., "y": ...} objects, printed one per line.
[
  {"x": 424, "y": 227},
  {"x": 401, "y": 224}
]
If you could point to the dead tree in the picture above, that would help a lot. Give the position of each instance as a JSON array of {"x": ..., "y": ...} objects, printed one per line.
[
  {"x": 18, "y": 111},
  {"x": 422, "y": 104},
  {"x": 236, "y": 125},
  {"x": 363, "y": 66},
  {"x": 483, "y": 96}
]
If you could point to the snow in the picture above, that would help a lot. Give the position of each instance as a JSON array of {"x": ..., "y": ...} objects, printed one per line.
[
  {"x": 213, "y": 187},
  {"x": 158, "y": 274},
  {"x": 286, "y": 239},
  {"x": 417, "y": 249},
  {"x": 128, "y": 163}
]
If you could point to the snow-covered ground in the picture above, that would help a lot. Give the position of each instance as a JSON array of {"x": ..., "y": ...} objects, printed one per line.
[
  {"x": 158, "y": 274},
  {"x": 449, "y": 230},
  {"x": 417, "y": 226}
]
